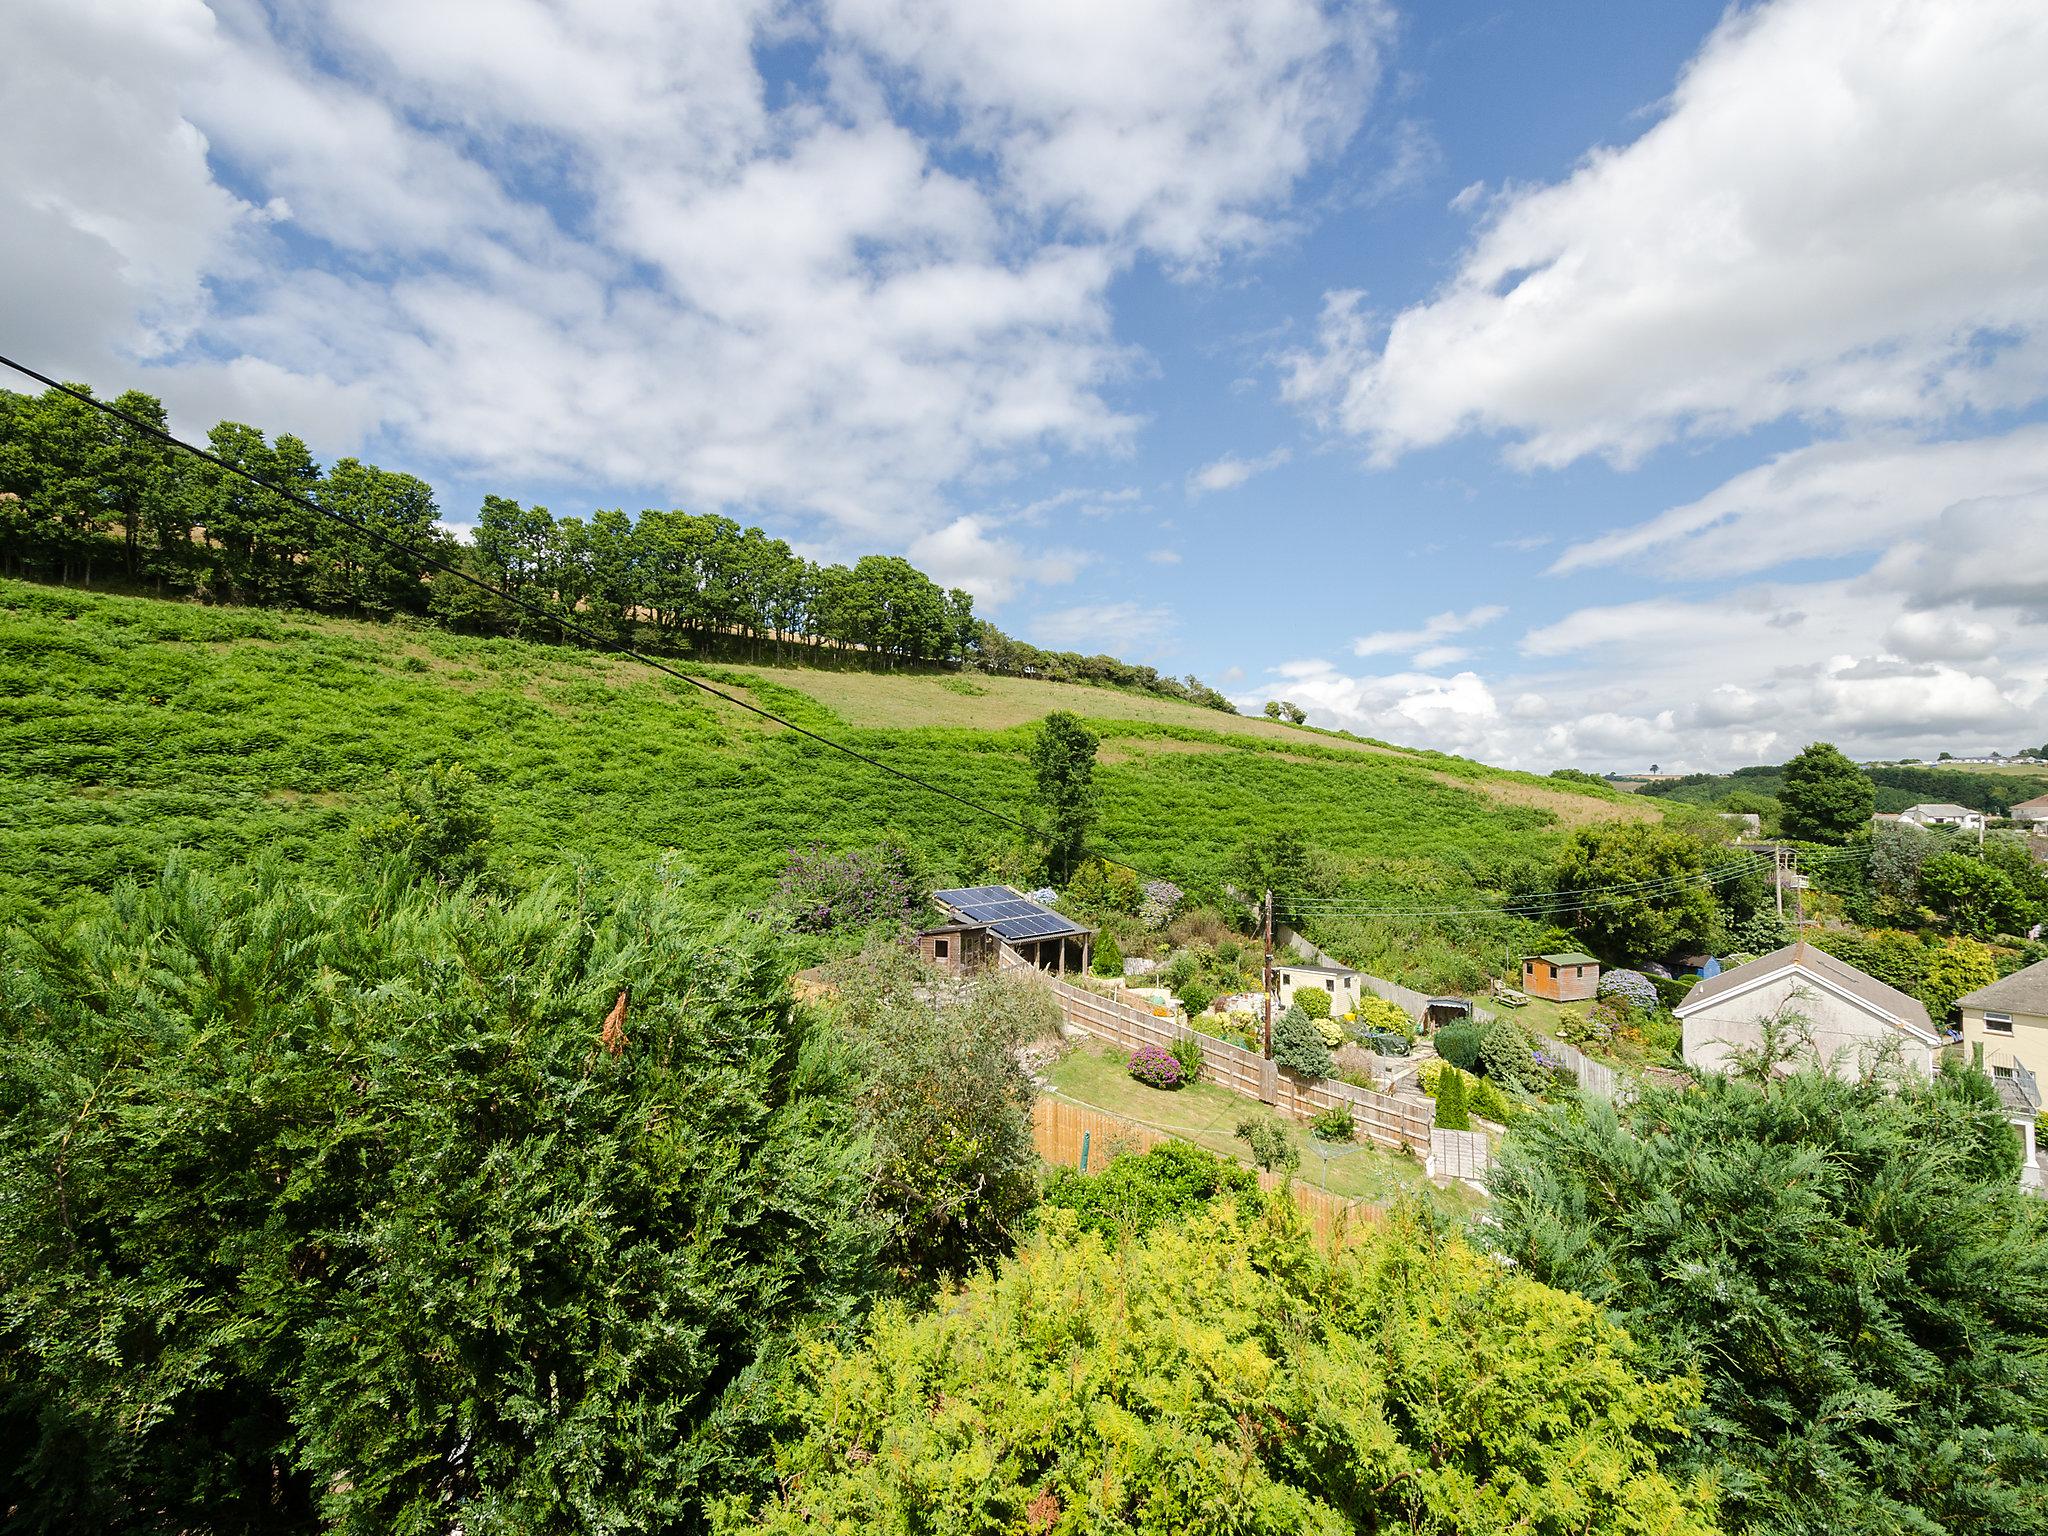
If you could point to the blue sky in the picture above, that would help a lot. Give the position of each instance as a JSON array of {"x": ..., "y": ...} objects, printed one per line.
[{"x": 1561, "y": 385}]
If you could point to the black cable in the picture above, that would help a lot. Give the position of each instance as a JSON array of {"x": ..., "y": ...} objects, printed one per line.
[{"x": 567, "y": 625}]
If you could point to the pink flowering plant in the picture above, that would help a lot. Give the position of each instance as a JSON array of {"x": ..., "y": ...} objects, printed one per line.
[{"x": 1154, "y": 1065}]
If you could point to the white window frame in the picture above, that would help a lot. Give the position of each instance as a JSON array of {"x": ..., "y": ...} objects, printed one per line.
[{"x": 1997, "y": 1023}]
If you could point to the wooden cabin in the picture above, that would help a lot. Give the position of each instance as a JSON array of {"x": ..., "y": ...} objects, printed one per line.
[
  {"x": 1568, "y": 977},
  {"x": 986, "y": 923}
]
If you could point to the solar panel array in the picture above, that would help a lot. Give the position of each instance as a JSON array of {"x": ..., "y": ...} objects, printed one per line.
[{"x": 1007, "y": 914}]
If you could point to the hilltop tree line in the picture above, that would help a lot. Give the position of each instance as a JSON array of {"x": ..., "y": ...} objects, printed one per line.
[
  {"x": 84, "y": 495},
  {"x": 1894, "y": 786}
]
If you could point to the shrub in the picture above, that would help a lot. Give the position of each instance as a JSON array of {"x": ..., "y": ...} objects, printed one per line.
[
  {"x": 1187, "y": 1050},
  {"x": 1486, "y": 1100},
  {"x": 1450, "y": 1102},
  {"x": 1332, "y": 1032},
  {"x": 1313, "y": 1001},
  {"x": 1298, "y": 1045},
  {"x": 1378, "y": 1013},
  {"x": 1138, "y": 1193},
  {"x": 1577, "y": 1027},
  {"x": 1108, "y": 959},
  {"x": 1431, "y": 1073},
  {"x": 1632, "y": 989},
  {"x": 823, "y": 891},
  {"x": 1271, "y": 1147},
  {"x": 1155, "y": 1066},
  {"x": 1196, "y": 998},
  {"x": 1459, "y": 1044},
  {"x": 1220, "y": 1375},
  {"x": 1507, "y": 1055},
  {"x": 1671, "y": 990},
  {"x": 1333, "y": 1124}
]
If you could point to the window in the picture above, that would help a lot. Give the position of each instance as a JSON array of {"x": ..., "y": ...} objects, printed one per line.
[
  {"x": 1997, "y": 1023},
  {"x": 2004, "y": 1072},
  {"x": 1331, "y": 984},
  {"x": 1286, "y": 980},
  {"x": 939, "y": 948}
]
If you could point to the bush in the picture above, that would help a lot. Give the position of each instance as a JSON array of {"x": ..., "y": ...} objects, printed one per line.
[
  {"x": 1333, "y": 1124},
  {"x": 1187, "y": 1050},
  {"x": 1508, "y": 1056},
  {"x": 1378, "y": 1013},
  {"x": 1298, "y": 1045},
  {"x": 1108, "y": 959},
  {"x": 1459, "y": 1044},
  {"x": 1486, "y": 1100},
  {"x": 295, "y": 1238},
  {"x": 1196, "y": 998},
  {"x": 1138, "y": 1193},
  {"x": 1672, "y": 990},
  {"x": 1431, "y": 1073},
  {"x": 823, "y": 891},
  {"x": 1577, "y": 1027},
  {"x": 1313, "y": 1001},
  {"x": 1271, "y": 1147},
  {"x": 1220, "y": 1375},
  {"x": 1450, "y": 1102},
  {"x": 1155, "y": 1066},
  {"x": 1631, "y": 988}
]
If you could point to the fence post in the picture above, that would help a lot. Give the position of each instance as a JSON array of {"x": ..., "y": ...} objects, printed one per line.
[{"x": 1084, "y": 1151}]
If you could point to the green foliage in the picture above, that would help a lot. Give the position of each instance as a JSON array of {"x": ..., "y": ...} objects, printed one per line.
[
  {"x": 1852, "y": 1268},
  {"x": 431, "y": 828},
  {"x": 1484, "y": 1098},
  {"x": 949, "y": 1103},
  {"x": 1825, "y": 797},
  {"x": 1270, "y": 1147},
  {"x": 1973, "y": 897},
  {"x": 1651, "y": 922},
  {"x": 1459, "y": 1044},
  {"x": 1507, "y": 1055},
  {"x": 390, "y": 1209},
  {"x": 1065, "y": 807},
  {"x": 1187, "y": 1050},
  {"x": 820, "y": 891},
  {"x": 1137, "y": 1193},
  {"x": 1100, "y": 890},
  {"x": 1195, "y": 997},
  {"x": 1579, "y": 776},
  {"x": 1108, "y": 958},
  {"x": 1312, "y": 1001},
  {"x": 1299, "y": 1046},
  {"x": 1224, "y": 1376},
  {"x": 1378, "y": 1013},
  {"x": 1451, "y": 1101},
  {"x": 1936, "y": 973},
  {"x": 1333, "y": 1124}
]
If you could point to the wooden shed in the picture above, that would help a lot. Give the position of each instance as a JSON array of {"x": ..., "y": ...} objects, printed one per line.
[
  {"x": 985, "y": 922},
  {"x": 1567, "y": 977}
]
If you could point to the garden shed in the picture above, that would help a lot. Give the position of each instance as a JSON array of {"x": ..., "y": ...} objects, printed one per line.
[
  {"x": 1568, "y": 976},
  {"x": 1340, "y": 982},
  {"x": 986, "y": 923}
]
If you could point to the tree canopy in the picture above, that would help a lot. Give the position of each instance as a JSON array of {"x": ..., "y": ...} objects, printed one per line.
[
  {"x": 1064, "y": 808},
  {"x": 1640, "y": 898},
  {"x": 1850, "y": 1267},
  {"x": 1825, "y": 797}
]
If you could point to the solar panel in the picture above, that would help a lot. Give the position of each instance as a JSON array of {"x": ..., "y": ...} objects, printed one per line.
[{"x": 1009, "y": 915}]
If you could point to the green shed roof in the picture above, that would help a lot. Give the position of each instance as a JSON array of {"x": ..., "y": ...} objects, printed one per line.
[{"x": 1569, "y": 957}]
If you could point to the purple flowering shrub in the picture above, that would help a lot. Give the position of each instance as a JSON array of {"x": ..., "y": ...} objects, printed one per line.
[
  {"x": 1632, "y": 989},
  {"x": 1154, "y": 1065},
  {"x": 822, "y": 890}
]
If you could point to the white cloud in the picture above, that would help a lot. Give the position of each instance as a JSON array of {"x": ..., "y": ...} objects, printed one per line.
[
  {"x": 1834, "y": 498},
  {"x": 1176, "y": 124},
  {"x": 967, "y": 553},
  {"x": 1841, "y": 215},
  {"x": 1428, "y": 638},
  {"x": 600, "y": 248},
  {"x": 1120, "y": 629},
  {"x": 1163, "y": 556},
  {"x": 1231, "y": 471}
]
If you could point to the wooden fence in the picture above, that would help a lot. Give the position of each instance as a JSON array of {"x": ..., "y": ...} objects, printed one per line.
[
  {"x": 1382, "y": 1118},
  {"x": 1061, "y": 1130},
  {"x": 1596, "y": 1078}
]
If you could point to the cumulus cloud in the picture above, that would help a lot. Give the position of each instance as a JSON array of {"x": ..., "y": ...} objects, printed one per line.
[
  {"x": 1231, "y": 471},
  {"x": 601, "y": 248},
  {"x": 1426, "y": 643},
  {"x": 969, "y": 554},
  {"x": 1841, "y": 214}
]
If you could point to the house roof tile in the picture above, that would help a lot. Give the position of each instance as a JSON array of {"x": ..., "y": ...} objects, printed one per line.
[{"x": 2022, "y": 992}]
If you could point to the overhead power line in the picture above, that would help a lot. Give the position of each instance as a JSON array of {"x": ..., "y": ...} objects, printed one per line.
[{"x": 563, "y": 623}]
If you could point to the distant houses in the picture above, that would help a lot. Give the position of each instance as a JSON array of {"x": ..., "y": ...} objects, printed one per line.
[
  {"x": 1566, "y": 977},
  {"x": 2034, "y": 811},
  {"x": 1944, "y": 815}
]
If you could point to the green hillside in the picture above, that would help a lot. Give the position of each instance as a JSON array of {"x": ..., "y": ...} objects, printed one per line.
[
  {"x": 1899, "y": 785},
  {"x": 133, "y": 726}
]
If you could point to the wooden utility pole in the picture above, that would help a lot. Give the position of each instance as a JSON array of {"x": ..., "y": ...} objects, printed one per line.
[
  {"x": 1778, "y": 878},
  {"x": 1269, "y": 975}
]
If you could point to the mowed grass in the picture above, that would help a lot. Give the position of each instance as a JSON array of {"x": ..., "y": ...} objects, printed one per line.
[
  {"x": 132, "y": 726},
  {"x": 1094, "y": 1074}
]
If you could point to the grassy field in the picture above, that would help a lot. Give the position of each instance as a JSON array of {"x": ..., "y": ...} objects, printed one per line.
[
  {"x": 132, "y": 726},
  {"x": 1094, "y": 1074}
]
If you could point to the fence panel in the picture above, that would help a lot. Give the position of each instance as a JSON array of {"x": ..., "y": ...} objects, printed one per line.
[
  {"x": 1595, "y": 1077},
  {"x": 1459, "y": 1154}
]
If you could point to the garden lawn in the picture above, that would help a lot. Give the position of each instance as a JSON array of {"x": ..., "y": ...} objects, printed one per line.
[{"x": 1094, "y": 1074}]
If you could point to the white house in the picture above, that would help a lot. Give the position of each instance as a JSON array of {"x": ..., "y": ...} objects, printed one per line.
[
  {"x": 2034, "y": 810},
  {"x": 1940, "y": 815},
  {"x": 1854, "y": 1020},
  {"x": 1343, "y": 984}
]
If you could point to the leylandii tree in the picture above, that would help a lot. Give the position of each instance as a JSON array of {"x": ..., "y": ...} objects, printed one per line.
[
  {"x": 1222, "y": 1374},
  {"x": 406, "y": 1211},
  {"x": 1851, "y": 1268},
  {"x": 1063, "y": 771}
]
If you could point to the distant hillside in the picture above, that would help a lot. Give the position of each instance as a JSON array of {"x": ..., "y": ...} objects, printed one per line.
[
  {"x": 1994, "y": 790},
  {"x": 132, "y": 726}
]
